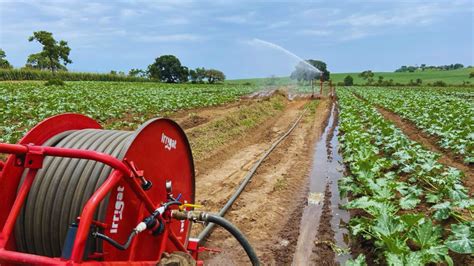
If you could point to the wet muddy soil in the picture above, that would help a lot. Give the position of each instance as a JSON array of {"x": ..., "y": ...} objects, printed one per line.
[
  {"x": 268, "y": 211},
  {"x": 322, "y": 238}
]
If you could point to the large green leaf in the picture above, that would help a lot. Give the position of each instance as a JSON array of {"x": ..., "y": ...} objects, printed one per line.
[
  {"x": 426, "y": 235},
  {"x": 359, "y": 261},
  {"x": 408, "y": 202},
  {"x": 443, "y": 210},
  {"x": 462, "y": 238}
]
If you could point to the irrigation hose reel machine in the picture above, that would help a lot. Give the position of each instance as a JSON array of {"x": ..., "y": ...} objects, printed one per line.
[{"x": 74, "y": 193}]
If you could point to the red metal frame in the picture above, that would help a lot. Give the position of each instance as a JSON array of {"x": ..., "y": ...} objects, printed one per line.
[{"x": 33, "y": 156}]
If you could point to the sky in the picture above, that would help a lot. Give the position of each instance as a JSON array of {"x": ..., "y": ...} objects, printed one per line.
[{"x": 236, "y": 36}]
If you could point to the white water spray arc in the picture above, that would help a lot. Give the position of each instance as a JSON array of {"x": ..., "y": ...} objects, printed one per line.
[{"x": 260, "y": 42}]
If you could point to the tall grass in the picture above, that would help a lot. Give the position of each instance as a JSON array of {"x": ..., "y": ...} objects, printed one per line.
[{"x": 30, "y": 74}]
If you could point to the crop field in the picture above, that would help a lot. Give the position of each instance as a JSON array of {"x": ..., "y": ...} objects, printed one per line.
[
  {"x": 413, "y": 209},
  {"x": 451, "y": 77},
  {"x": 446, "y": 114},
  {"x": 403, "y": 158},
  {"x": 409, "y": 203},
  {"x": 117, "y": 104},
  {"x": 235, "y": 133},
  {"x": 458, "y": 76}
]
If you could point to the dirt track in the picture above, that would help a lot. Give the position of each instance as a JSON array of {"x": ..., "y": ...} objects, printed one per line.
[{"x": 269, "y": 210}]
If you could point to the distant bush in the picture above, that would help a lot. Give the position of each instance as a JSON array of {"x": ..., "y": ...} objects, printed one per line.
[
  {"x": 348, "y": 80},
  {"x": 440, "y": 83},
  {"x": 31, "y": 74},
  {"x": 54, "y": 82},
  {"x": 471, "y": 75},
  {"x": 417, "y": 82}
]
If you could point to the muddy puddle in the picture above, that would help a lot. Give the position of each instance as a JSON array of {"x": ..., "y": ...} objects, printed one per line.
[{"x": 315, "y": 230}]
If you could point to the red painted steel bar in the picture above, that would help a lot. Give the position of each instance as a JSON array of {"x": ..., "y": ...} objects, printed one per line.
[
  {"x": 28, "y": 259},
  {"x": 175, "y": 241},
  {"x": 88, "y": 214},
  {"x": 13, "y": 148},
  {"x": 15, "y": 210},
  {"x": 83, "y": 154}
]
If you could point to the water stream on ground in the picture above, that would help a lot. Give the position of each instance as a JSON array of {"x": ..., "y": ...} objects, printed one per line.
[{"x": 327, "y": 168}]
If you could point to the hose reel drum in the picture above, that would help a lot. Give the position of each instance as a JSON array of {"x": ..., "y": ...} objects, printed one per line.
[{"x": 158, "y": 151}]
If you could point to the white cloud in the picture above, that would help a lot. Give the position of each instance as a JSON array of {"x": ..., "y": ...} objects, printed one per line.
[
  {"x": 321, "y": 12},
  {"x": 244, "y": 18},
  {"x": 406, "y": 14},
  {"x": 233, "y": 19},
  {"x": 170, "y": 38},
  {"x": 176, "y": 21},
  {"x": 315, "y": 32},
  {"x": 278, "y": 24}
]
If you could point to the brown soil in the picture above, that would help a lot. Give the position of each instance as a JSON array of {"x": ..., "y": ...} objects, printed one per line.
[
  {"x": 323, "y": 253},
  {"x": 268, "y": 209},
  {"x": 194, "y": 117}
]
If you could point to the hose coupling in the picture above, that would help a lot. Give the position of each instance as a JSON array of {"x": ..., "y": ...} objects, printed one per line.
[{"x": 195, "y": 216}]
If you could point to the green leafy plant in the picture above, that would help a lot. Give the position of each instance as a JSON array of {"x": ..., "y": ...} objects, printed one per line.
[{"x": 391, "y": 176}]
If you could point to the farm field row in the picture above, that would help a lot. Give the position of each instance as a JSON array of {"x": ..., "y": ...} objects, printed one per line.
[
  {"x": 443, "y": 113},
  {"x": 117, "y": 104},
  {"x": 407, "y": 208}
]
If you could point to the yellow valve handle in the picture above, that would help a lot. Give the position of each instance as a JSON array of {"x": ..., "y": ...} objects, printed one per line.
[{"x": 181, "y": 207}]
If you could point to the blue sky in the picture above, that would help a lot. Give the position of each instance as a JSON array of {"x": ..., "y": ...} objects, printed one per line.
[{"x": 349, "y": 35}]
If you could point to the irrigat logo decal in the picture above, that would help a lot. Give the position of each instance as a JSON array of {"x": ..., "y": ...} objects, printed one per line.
[
  {"x": 169, "y": 142},
  {"x": 119, "y": 205}
]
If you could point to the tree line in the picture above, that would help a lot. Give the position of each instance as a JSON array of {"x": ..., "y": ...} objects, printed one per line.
[
  {"x": 369, "y": 77},
  {"x": 424, "y": 67},
  {"x": 54, "y": 57}
]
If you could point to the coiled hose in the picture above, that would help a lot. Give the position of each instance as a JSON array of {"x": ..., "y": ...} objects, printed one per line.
[{"x": 61, "y": 189}]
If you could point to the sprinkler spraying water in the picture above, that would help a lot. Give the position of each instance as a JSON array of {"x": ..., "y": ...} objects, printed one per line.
[{"x": 303, "y": 72}]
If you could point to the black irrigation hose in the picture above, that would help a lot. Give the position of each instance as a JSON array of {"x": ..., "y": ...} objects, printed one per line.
[
  {"x": 215, "y": 219},
  {"x": 115, "y": 243},
  {"x": 204, "y": 233},
  {"x": 61, "y": 189}
]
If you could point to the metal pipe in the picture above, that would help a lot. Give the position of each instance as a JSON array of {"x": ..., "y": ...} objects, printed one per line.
[
  {"x": 88, "y": 213},
  {"x": 15, "y": 210}
]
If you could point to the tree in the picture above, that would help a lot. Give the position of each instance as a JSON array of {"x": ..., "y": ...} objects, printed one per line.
[
  {"x": 184, "y": 77},
  {"x": 321, "y": 66},
  {"x": 136, "y": 73},
  {"x": 348, "y": 81},
  {"x": 380, "y": 81},
  {"x": 168, "y": 68},
  {"x": 193, "y": 76},
  {"x": 201, "y": 74},
  {"x": 368, "y": 74},
  {"x": 214, "y": 75},
  {"x": 4, "y": 62},
  {"x": 305, "y": 72},
  {"x": 54, "y": 56},
  {"x": 471, "y": 75}
]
